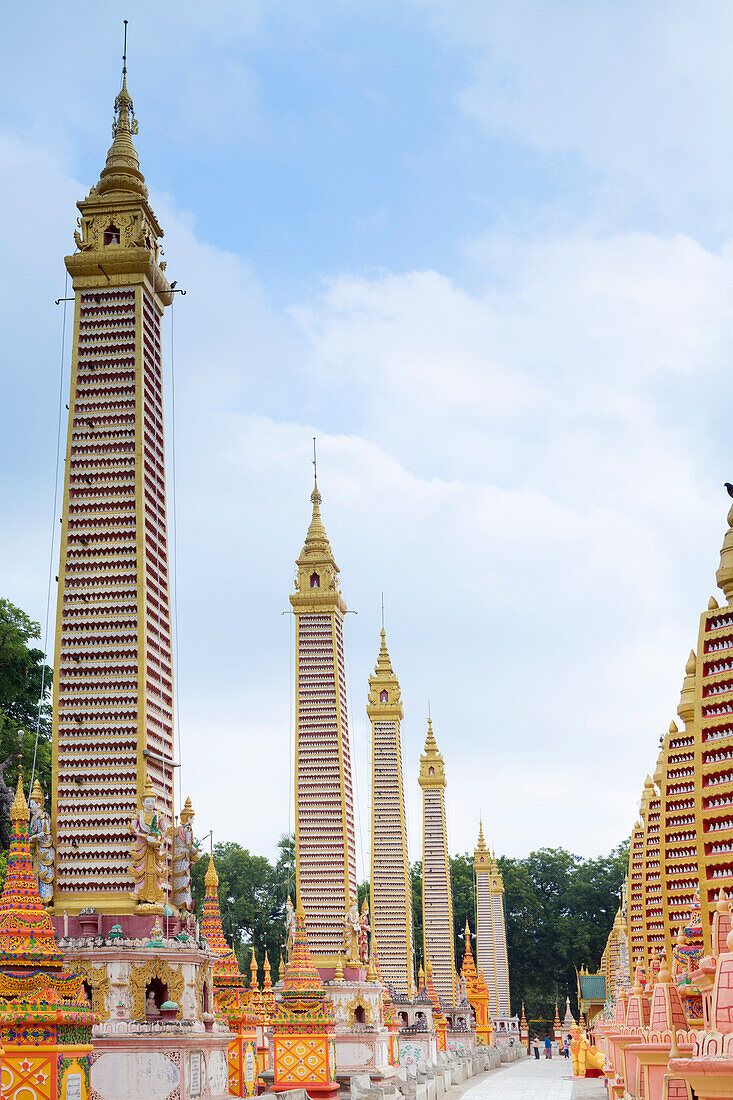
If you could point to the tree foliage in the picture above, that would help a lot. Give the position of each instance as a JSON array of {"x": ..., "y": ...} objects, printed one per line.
[
  {"x": 559, "y": 910},
  {"x": 252, "y": 896},
  {"x": 22, "y": 670}
]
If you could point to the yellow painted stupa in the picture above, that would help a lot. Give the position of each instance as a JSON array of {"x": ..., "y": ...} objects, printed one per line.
[{"x": 477, "y": 994}]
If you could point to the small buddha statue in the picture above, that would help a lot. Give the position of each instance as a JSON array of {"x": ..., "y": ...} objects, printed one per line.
[{"x": 151, "y": 1008}]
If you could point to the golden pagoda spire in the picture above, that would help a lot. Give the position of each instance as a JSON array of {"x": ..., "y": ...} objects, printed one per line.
[
  {"x": 253, "y": 981},
  {"x": 724, "y": 576},
  {"x": 317, "y": 578},
  {"x": 481, "y": 845},
  {"x": 384, "y": 688},
  {"x": 432, "y": 768},
  {"x": 122, "y": 170}
]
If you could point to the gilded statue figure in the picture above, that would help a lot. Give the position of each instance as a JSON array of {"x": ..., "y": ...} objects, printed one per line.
[
  {"x": 43, "y": 852},
  {"x": 352, "y": 930},
  {"x": 148, "y": 852},
  {"x": 185, "y": 854}
]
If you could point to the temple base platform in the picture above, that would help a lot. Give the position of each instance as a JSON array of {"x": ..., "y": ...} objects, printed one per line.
[{"x": 157, "y": 1038}]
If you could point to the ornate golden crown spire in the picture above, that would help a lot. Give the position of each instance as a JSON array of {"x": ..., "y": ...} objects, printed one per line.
[
  {"x": 316, "y": 540},
  {"x": 432, "y": 768},
  {"x": 317, "y": 578},
  {"x": 122, "y": 170},
  {"x": 384, "y": 687}
]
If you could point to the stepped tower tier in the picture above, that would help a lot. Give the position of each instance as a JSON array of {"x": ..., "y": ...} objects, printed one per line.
[
  {"x": 324, "y": 803},
  {"x": 113, "y": 688},
  {"x": 390, "y": 870},
  {"x": 712, "y": 726},
  {"x": 677, "y": 841},
  {"x": 437, "y": 901},
  {"x": 491, "y": 949},
  {"x": 646, "y": 918}
]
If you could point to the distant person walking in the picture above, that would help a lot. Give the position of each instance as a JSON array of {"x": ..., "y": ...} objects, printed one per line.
[
  {"x": 548, "y": 1047},
  {"x": 566, "y": 1048},
  {"x": 536, "y": 1047}
]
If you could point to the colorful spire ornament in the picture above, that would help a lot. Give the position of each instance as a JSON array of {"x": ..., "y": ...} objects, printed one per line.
[
  {"x": 477, "y": 994},
  {"x": 38, "y": 997},
  {"x": 303, "y": 1027},
  {"x": 230, "y": 995}
]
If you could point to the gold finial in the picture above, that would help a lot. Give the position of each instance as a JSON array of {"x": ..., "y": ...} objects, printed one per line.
[
  {"x": 481, "y": 846},
  {"x": 122, "y": 170},
  {"x": 188, "y": 812},
  {"x": 19, "y": 809},
  {"x": 211, "y": 878},
  {"x": 384, "y": 687},
  {"x": 713, "y": 604},
  {"x": 432, "y": 768},
  {"x": 148, "y": 791}
]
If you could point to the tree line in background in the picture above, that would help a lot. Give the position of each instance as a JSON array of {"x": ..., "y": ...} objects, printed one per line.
[
  {"x": 559, "y": 911},
  {"x": 559, "y": 907}
]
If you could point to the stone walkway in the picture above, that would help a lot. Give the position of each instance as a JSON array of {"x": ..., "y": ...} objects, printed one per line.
[{"x": 529, "y": 1079}]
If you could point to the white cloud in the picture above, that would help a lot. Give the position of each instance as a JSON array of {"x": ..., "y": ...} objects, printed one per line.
[
  {"x": 525, "y": 470},
  {"x": 639, "y": 93}
]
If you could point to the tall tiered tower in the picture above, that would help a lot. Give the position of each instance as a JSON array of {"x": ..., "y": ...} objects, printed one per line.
[
  {"x": 437, "y": 902},
  {"x": 113, "y": 690},
  {"x": 324, "y": 804},
  {"x": 678, "y": 846},
  {"x": 713, "y": 733},
  {"x": 491, "y": 950},
  {"x": 391, "y": 888},
  {"x": 646, "y": 921}
]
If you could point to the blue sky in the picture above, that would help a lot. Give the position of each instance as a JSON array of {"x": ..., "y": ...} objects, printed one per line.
[{"x": 484, "y": 253}]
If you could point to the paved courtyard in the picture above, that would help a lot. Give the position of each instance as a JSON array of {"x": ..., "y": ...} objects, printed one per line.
[{"x": 529, "y": 1079}]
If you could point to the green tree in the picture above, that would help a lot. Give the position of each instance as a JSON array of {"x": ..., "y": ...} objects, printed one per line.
[
  {"x": 252, "y": 904},
  {"x": 464, "y": 902},
  {"x": 559, "y": 910},
  {"x": 22, "y": 671}
]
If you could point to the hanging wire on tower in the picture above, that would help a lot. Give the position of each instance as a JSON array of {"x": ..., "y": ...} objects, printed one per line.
[
  {"x": 53, "y": 532},
  {"x": 175, "y": 555}
]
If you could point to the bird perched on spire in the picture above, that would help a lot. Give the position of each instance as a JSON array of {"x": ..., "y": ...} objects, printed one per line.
[{"x": 729, "y": 487}]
